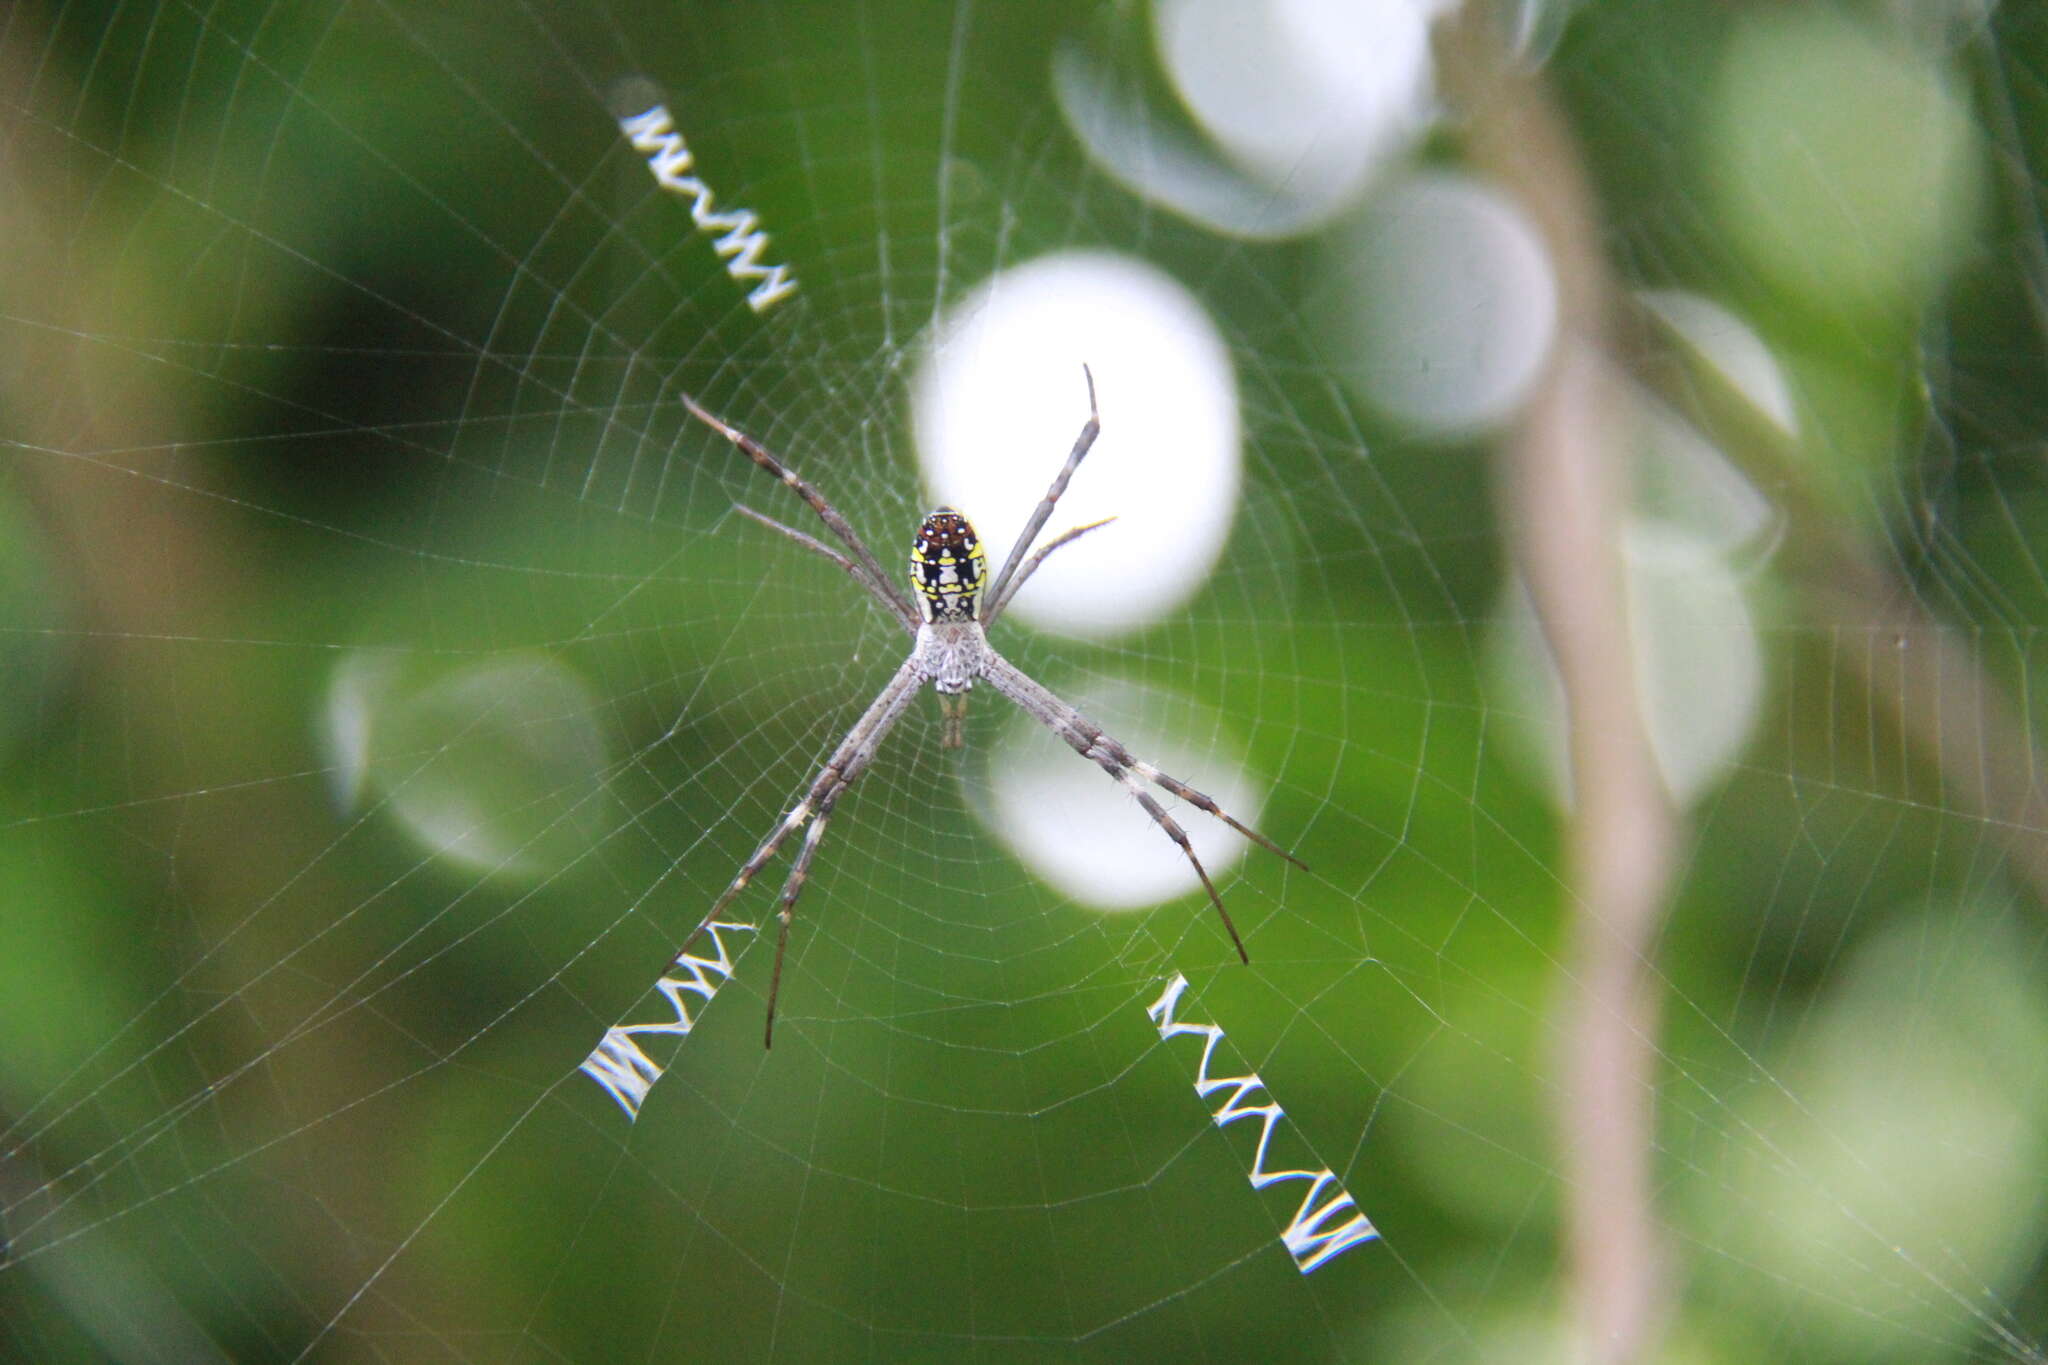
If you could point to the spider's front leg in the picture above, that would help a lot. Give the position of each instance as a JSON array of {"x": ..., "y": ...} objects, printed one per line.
[{"x": 865, "y": 568}]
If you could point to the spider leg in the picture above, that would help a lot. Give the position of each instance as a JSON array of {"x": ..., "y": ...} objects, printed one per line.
[
  {"x": 1086, "y": 738},
  {"x": 954, "y": 711},
  {"x": 845, "y": 765},
  {"x": 1089, "y": 430},
  {"x": 1031, "y": 566},
  {"x": 858, "y": 574},
  {"x": 827, "y": 513},
  {"x": 1200, "y": 802},
  {"x": 799, "y": 873},
  {"x": 1165, "y": 822}
]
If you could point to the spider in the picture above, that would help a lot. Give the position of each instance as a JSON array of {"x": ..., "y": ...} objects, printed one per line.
[{"x": 955, "y": 606}]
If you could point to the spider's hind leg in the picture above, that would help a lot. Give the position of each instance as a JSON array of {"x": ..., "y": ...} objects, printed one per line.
[
  {"x": 799, "y": 873},
  {"x": 841, "y": 771},
  {"x": 1202, "y": 802},
  {"x": 953, "y": 710},
  {"x": 1087, "y": 739}
]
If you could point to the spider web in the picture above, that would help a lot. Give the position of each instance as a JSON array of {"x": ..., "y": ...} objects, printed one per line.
[{"x": 391, "y": 687}]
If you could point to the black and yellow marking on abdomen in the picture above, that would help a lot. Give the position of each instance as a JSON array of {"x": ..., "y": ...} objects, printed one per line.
[{"x": 947, "y": 567}]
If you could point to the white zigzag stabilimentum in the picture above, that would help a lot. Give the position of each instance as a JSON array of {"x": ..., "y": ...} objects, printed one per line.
[
  {"x": 618, "y": 1065},
  {"x": 653, "y": 134},
  {"x": 1308, "y": 1237}
]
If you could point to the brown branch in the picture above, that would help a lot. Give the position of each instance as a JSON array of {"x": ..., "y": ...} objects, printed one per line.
[{"x": 1564, "y": 500}]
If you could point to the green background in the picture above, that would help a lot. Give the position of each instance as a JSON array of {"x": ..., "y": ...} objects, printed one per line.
[{"x": 340, "y": 349}]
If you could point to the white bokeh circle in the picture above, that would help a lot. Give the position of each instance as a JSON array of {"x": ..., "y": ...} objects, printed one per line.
[
  {"x": 1732, "y": 347},
  {"x": 1000, "y": 398},
  {"x": 1301, "y": 93},
  {"x": 1446, "y": 304},
  {"x": 494, "y": 766}
]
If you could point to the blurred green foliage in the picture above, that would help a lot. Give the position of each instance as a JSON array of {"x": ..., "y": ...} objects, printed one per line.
[{"x": 339, "y": 350}]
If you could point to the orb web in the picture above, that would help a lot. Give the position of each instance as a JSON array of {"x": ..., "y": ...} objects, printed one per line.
[{"x": 390, "y": 684}]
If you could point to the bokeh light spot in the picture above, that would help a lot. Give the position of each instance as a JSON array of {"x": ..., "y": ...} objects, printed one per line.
[
  {"x": 1001, "y": 398},
  {"x": 1443, "y": 304}
]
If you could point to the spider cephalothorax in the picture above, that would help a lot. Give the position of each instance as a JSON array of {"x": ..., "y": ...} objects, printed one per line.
[
  {"x": 955, "y": 603},
  {"x": 947, "y": 567}
]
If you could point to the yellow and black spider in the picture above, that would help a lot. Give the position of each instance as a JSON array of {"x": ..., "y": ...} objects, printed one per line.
[{"x": 951, "y": 652}]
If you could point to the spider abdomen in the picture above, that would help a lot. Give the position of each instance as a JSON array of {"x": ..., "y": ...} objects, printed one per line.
[{"x": 948, "y": 568}]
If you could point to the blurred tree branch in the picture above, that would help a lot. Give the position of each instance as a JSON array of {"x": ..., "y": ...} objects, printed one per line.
[{"x": 1565, "y": 500}]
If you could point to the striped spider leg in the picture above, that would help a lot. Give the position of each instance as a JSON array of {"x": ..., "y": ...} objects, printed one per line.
[{"x": 954, "y": 605}]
